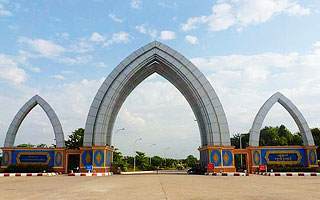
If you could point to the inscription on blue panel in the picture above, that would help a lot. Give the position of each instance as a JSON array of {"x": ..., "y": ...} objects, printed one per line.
[
  {"x": 283, "y": 157},
  {"x": 33, "y": 158}
]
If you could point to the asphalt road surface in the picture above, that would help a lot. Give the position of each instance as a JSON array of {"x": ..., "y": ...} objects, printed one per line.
[{"x": 161, "y": 186}]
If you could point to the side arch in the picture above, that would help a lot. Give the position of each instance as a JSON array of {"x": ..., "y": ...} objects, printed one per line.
[
  {"x": 156, "y": 57},
  {"x": 24, "y": 111},
  {"x": 293, "y": 111}
]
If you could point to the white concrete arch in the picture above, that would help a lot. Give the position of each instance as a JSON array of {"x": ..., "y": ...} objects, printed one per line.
[
  {"x": 23, "y": 112},
  {"x": 293, "y": 111},
  {"x": 156, "y": 57}
]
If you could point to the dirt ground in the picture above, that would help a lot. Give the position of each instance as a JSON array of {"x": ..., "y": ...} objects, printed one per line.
[{"x": 162, "y": 186}]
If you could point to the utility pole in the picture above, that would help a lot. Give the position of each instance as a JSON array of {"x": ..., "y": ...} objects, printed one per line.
[
  {"x": 150, "y": 152},
  {"x": 165, "y": 157},
  {"x": 241, "y": 148}
]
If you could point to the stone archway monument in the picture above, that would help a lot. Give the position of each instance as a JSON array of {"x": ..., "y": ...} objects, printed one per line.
[
  {"x": 53, "y": 157},
  {"x": 156, "y": 57},
  {"x": 281, "y": 155}
]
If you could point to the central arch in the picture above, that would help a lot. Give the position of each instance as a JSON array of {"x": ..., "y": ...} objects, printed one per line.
[{"x": 156, "y": 57}]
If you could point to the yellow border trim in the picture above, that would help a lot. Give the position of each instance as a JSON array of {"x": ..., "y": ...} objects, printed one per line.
[
  {"x": 33, "y": 153},
  {"x": 283, "y": 162},
  {"x": 56, "y": 152}
]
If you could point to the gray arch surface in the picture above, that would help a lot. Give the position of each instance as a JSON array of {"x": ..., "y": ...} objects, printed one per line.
[
  {"x": 293, "y": 111},
  {"x": 23, "y": 112},
  {"x": 156, "y": 57}
]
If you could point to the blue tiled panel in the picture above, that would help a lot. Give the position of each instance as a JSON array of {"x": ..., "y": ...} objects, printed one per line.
[
  {"x": 291, "y": 154},
  {"x": 39, "y": 158}
]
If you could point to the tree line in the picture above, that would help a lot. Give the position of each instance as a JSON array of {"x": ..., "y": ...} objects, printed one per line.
[{"x": 276, "y": 136}]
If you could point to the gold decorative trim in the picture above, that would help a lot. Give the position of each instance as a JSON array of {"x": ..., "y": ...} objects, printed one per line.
[
  {"x": 33, "y": 153},
  {"x": 283, "y": 152}
]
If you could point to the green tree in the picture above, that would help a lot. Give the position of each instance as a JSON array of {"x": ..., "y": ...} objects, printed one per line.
[
  {"x": 129, "y": 161},
  {"x": 190, "y": 161},
  {"x": 316, "y": 136},
  {"x": 118, "y": 160},
  {"x": 75, "y": 140},
  {"x": 235, "y": 140},
  {"x": 171, "y": 163},
  {"x": 42, "y": 146},
  {"x": 157, "y": 161},
  {"x": 26, "y": 145},
  {"x": 142, "y": 161}
]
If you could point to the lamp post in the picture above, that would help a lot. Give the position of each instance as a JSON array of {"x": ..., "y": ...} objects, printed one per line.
[
  {"x": 115, "y": 133},
  {"x": 150, "y": 151},
  {"x": 183, "y": 150},
  {"x": 241, "y": 148},
  {"x": 114, "y": 140},
  {"x": 134, "y": 155},
  {"x": 165, "y": 156}
]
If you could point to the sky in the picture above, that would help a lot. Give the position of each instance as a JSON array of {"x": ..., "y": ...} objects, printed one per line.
[{"x": 247, "y": 49}]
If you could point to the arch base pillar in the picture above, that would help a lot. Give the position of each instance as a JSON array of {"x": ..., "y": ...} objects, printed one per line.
[
  {"x": 304, "y": 156},
  {"x": 100, "y": 157},
  {"x": 222, "y": 157},
  {"x": 52, "y": 157}
]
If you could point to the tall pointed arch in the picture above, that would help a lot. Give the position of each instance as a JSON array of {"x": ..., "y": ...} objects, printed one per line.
[
  {"x": 293, "y": 111},
  {"x": 156, "y": 57},
  {"x": 23, "y": 112}
]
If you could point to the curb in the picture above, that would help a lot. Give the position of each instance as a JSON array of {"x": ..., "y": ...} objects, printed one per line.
[
  {"x": 227, "y": 174},
  {"x": 288, "y": 173},
  {"x": 91, "y": 174},
  {"x": 27, "y": 174},
  {"x": 139, "y": 172}
]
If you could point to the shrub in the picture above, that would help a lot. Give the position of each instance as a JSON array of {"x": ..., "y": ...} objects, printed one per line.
[
  {"x": 28, "y": 168},
  {"x": 291, "y": 168}
]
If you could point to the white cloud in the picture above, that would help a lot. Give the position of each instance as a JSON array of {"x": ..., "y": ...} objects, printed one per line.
[
  {"x": 150, "y": 31},
  {"x": 115, "y": 18},
  {"x": 14, "y": 28},
  {"x": 67, "y": 72},
  {"x": 121, "y": 37},
  {"x": 74, "y": 60},
  {"x": 251, "y": 79},
  {"x": 4, "y": 12},
  {"x": 167, "y": 35},
  {"x": 53, "y": 51},
  {"x": 81, "y": 45},
  {"x": 57, "y": 76},
  {"x": 137, "y": 4},
  {"x": 10, "y": 71},
  {"x": 141, "y": 29},
  {"x": 46, "y": 48},
  {"x": 96, "y": 37},
  {"x": 242, "y": 13},
  {"x": 56, "y": 19},
  {"x": 317, "y": 44},
  {"x": 63, "y": 35},
  {"x": 191, "y": 39},
  {"x": 100, "y": 64}
]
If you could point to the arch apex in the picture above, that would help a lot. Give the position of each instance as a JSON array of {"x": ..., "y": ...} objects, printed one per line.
[
  {"x": 174, "y": 67},
  {"x": 293, "y": 111},
  {"x": 24, "y": 111}
]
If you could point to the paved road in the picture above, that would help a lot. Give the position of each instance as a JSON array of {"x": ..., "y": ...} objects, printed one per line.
[{"x": 162, "y": 186}]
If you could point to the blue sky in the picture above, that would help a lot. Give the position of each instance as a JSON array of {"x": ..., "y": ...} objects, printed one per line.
[{"x": 248, "y": 49}]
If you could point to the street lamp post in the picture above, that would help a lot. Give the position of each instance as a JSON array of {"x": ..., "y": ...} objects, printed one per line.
[
  {"x": 150, "y": 152},
  {"x": 115, "y": 133},
  {"x": 114, "y": 140},
  {"x": 165, "y": 157},
  {"x": 241, "y": 148},
  {"x": 183, "y": 150},
  {"x": 134, "y": 155}
]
